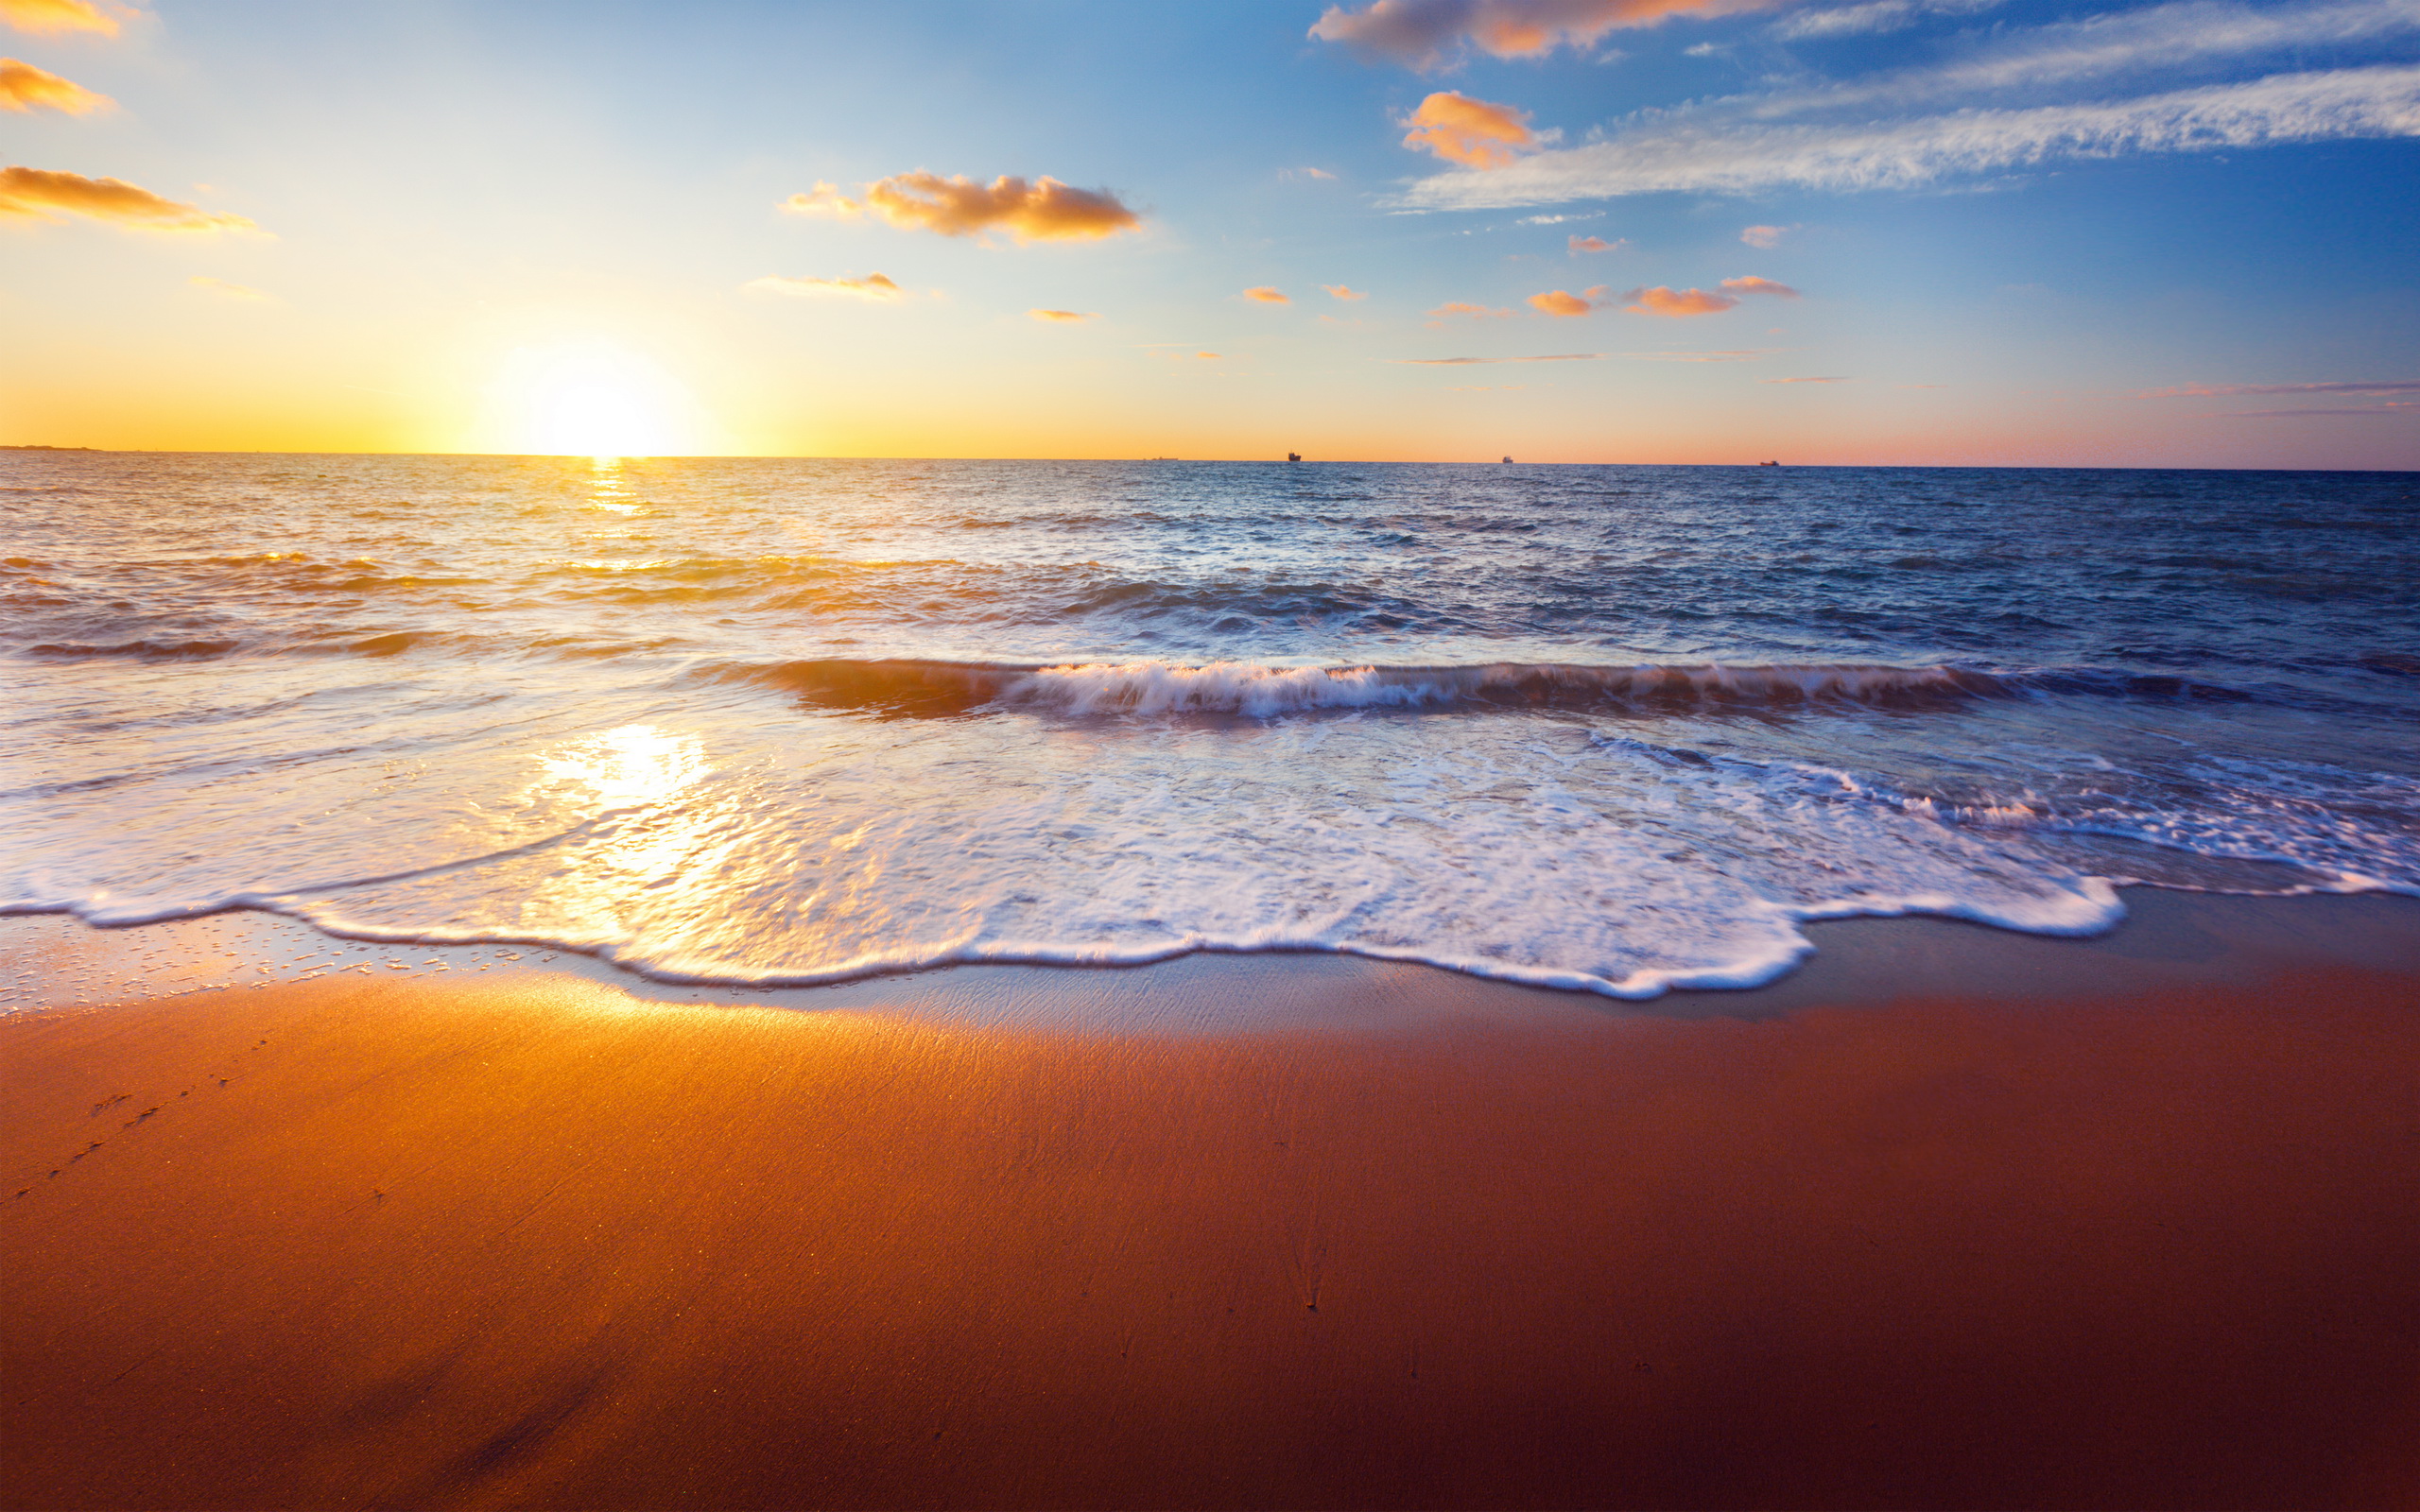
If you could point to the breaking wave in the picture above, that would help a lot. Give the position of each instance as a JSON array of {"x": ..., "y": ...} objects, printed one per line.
[{"x": 1255, "y": 690}]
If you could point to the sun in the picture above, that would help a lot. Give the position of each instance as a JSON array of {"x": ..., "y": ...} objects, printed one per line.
[{"x": 588, "y": 398}]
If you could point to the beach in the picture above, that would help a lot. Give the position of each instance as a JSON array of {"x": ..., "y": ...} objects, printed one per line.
[{"x": 1952, "y": 1217}]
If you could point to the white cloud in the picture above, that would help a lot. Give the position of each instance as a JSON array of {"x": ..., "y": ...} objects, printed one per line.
[
  {"x": 2192, "y": 35},
  {"x": 1873, "y": 16},
  {"x": 1687, "y": 151}
]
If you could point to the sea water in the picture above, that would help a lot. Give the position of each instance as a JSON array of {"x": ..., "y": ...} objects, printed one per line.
[{"x": 781, "y": 721}]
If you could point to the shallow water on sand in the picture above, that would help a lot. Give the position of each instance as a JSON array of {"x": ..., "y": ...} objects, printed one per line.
[{"x": 783, "y": 721}]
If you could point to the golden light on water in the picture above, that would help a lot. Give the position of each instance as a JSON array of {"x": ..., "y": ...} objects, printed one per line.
[
  {"x": 632, "y": 766},
  {"x": 588, "y": 398}
]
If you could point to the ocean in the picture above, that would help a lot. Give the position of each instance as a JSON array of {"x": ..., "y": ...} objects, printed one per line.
[{"x": 783, "y": 721}]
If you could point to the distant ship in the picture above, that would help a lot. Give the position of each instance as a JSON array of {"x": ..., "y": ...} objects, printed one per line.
[
  {"x": 1293, "y": 456},
  {"x": 1508, "y": 459},
  {"x": 1768, "y": 464}
]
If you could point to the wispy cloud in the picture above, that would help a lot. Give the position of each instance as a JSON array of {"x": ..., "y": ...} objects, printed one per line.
[
  {"x": 1765, "y": 238},
  {"x": 1709, "y": 151},
  {"x": 1289, "y": 175},
  {"x": 1266, "y": 294},
  {"x": 2390, "y": 408},
  {"x": 874, "y": 286},
  {"x": 1662, "y": 301},
  {"x": 1579, "y": 244},
  {"x": 2397, "y": 386},
  {"x": 1426, "y": 34},
  {"x": 2170, "y": 39},
  {"x": 1752, "y": 285},
  {"x": 1480, "y": 361},
  {"x": 1805, "y": 380},
  {"x": 225, "y": 290},
  {"x": 40, "y": 193},
  {"x": 1458, "y": 310},
  {"x": 1062, "y": 317},
  {"x": 1734, "y": 355},
  {"x": 1474, "y": 133},
  {"x": 1564, "y": 302},
  {"x": 1043, "y": 210},
  {"x": 24, "y": 87},
  {"x": 42, "y": 17},
  {"x": 1872, "y": 16},
  {"x": 1343, "y": 292}
]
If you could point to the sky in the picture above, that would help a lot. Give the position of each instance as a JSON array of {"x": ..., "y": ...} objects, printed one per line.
[{"x": 2183, "y": 234}]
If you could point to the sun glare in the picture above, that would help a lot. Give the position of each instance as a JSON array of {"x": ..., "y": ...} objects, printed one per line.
[{"x": 588, "y": 399}]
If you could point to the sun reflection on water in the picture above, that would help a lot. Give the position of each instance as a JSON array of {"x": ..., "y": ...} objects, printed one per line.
[{"x": 627, "y": 767}]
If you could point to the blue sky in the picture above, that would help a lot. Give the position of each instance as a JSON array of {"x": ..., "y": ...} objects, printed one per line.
[{"x": 2014, "y": 234}]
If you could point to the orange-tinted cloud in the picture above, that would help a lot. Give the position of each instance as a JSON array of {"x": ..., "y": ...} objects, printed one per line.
[
  {"x": 40, "y": 193},
  {"x": 1477, "y": 312},
  {"x": 1422, "y": 33},
  {"x": 1042, "y": 211},
  {"x": 1759, "y": 285},
  {"x": 1662, "y": 300},
  {"x": 1062, "y": 314},
  {"x": 874, "y": 286},
  {"x": 1558, "y": 301},
  {"x": 1765, "y": 238},
  {"x": 1469, "y": 362},
  {"x": 23, "y": 86},
  {"x": 1344, "y": 292},
  {"x": 1473, "y": 132},
  {"x": 1578, "y": 245},
  {"x": 44, "y": 16},
  {"x": 226, "y": 290},
  {"x": 1266, "y": 295}
]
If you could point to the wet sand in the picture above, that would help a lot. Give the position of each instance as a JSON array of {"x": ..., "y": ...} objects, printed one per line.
[{"x": 1953, "y": 1218}]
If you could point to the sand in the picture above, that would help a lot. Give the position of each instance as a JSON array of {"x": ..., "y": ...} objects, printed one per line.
[{"x": 1953, "y": 1219}]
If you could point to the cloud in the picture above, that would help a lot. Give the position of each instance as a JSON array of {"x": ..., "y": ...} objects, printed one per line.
[
  {"x": 1765, "y": 238},
  {"x": 40, "y": 193},
  {"x": 1734, "y": 355},
  {"x": 1676, "y": 151},
  {"x": 23, "y": 86},
  {"x": 2398, "y": 385},
  {"x": 1289, "y": 175},
  {"x": 1426, "y": 34},
  {"x": 874, "y": 286},
  {"x": 1873, "y": 16},
  {"x": 2184, "y": 35},
  {"x": 1578, "y": 245},
  {"x": 1062, "y": 316},
  {"x": 1207, "y": 356},
  {"x": 2397, "y": 407},
  {"x": 46, "y": 16},
  {"x": 1472, "y": 133},
  {"x": 1662, "y": 300},
  {"x": 1752, "y": 285},
  {"x": 1265, "y": 294},
  {"x": 226, "y": 290},
  {"x": 1457, "y": 308},
  {"x": 1557, "y": 301},
  {"x": 1343, "y": 292},
  {"x": 1042, "y": 211},
  {"x": 1477, "y": 362},
  {"x": 1805, "y": 380}
]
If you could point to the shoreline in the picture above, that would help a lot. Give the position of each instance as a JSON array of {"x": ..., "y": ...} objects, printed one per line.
[
  {"x": 2169, "y": 938},
  {"x": 2118, "y": 1222}
]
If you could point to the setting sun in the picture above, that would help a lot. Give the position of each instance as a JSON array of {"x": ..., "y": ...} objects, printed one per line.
[{"x": 587, "y": 399}]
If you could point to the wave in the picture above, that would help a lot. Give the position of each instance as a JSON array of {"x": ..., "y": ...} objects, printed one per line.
[{"x": 1260, "y": 690}]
